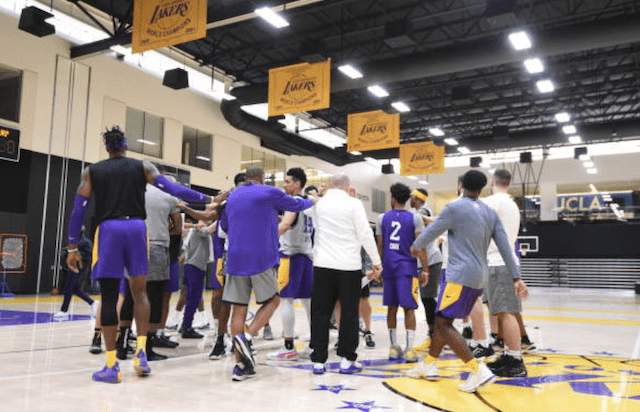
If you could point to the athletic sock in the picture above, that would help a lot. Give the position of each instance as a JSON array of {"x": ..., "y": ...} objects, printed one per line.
[
  {"x": 429, "y": 359},
  {"x": 392, "y": 337},
  {"x": 473, "y": 365},
  {"x": 111, "y": 358},
  {"x": 141, "y": 343},
  {"x": 288, "y": 344},
  {"x": 466, "y": 324},
  {"x": 514, "y": 353},
  {"x": 485, "y": 343},
  {"x": 410, "y": 335}
]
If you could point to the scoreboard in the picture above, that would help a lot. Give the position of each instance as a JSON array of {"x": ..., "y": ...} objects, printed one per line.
[{"x": 9, "y": 144}]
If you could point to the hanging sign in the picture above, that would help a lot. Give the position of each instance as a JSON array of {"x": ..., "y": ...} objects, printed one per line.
[
  {"x": 9, "y": 144},
  {"x": 299, "y": 88},
  {"x": 372, "y": 131},
  {"x": 161, "y": 23},
  {"x": 421, "y": 159}
]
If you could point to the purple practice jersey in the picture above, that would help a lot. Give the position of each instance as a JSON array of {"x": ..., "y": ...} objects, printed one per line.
[{"x": 398, "y": 229}]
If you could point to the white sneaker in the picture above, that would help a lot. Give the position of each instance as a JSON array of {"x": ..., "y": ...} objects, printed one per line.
[
  {"x": 61, "y": 316},
  {"x": 476, "y": 380},
  {"x": 284, "y": 354},
  {"x": 201, "y": 320},
  {"x": 425, "y": 371},
  {"x": 94, "y": 307},
  {"x": 174, "y": 320},
  {"x": 306, "y": 353}
]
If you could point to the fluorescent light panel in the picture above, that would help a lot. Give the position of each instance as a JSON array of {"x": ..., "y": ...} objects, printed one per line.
[
  {"x": 451, "y": 141},
  {"x": 272, "y": 17},
  {"x": 464, "y": 150},
  {"x": 592, "y": 171},
  {"x": 569, "y": 129},
  {"x": 584, "y": 157},
  {"x": 575, "y": 139},
  {"x": 588, "y": 165},
  {"x": 206, "y": 159},
  {"x": 350, "y": 71},
  {"x": 592, "y": 187},
  {"x": 562, "y": 117},
  {"x": 147, "y": 142},
  {"x": 423, "y": 182},
  {"x": 436, "y": 131},
  {"x": 378, "y": 91},
  {"x": 401, "y": 107},
  {"x": 534, "y": 65},
  {"x": 520, "y": 40},
  {"x": 356, "y": 153},
  {"x": 545, "y": 86},
  {"x": 412, "y": 177}
]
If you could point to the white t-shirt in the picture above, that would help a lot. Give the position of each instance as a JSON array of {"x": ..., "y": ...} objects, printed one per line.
[{"x": 509, "y": 215}]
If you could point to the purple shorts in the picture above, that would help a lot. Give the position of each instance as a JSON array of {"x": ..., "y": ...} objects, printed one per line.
[
  {"x": 401, "y": 291},
  {"x": 120, "y": 246},
  {"x": 124, "y": 286},
  {"x": 219, "y": 272},
  {"x": 456, "y": 301},
  {"x": 173, "y": 285},
  {"x": 295, "y": 276}
]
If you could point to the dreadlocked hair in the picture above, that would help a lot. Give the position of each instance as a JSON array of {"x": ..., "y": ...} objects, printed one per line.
[{"x": 114, "y": 139}]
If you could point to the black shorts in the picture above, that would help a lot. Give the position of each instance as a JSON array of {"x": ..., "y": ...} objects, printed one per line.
[{"x": 365, "y": 292}]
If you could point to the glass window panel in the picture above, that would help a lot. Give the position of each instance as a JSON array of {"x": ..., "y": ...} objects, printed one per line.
[
  {"x": 11, "y": 91},
  {"x": 134, "y": 129},
  {"x": 203, "y": 151},
  {"x": 189, "y": 145},
  {"x": 153, "y": 135}
]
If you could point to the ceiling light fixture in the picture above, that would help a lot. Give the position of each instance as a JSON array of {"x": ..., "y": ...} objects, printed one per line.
[
  {"x": 451, "y": 141},
  {"x": 412, "y": 177},
  {"x": 401, "y": 107},
  {"x": 584, "y": 157},
  {"x": 436, "y": 131},
  {"x": 378, "y": 91},
  {"x": 464, "y": 150},
  {"x": 575, "y": 139},
  {"x": 569, "y": 129},
  {"x": 350, "y": 71},
  {"x": 356, "y": 153},
  {"x": 520, "y": 40},
  {"x": 534, "y": 65},
  {"x": 588, "y": 165},
  {"x": 592, "y": 171},
  {"x": 423, "y": 182},
  {"x": 562, "y": 117},
  {"x": 545, "y": 86},
  {"x": 272, "y": 17}
]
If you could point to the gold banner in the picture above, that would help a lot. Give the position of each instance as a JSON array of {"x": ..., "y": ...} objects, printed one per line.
[
  {"x": 161, "y": 23},
  {"x": 299, "y": 88},
  {"x": 421, "y": 159},
  {"x": 372, "y": 131}
]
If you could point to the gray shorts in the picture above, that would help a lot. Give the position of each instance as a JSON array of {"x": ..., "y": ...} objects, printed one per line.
[
  {"x": 237, "y": 289},
  {"x": 158, "y": 263},
  {"x": 501, "y": 293},
  {"x": 431, "y": 290}
]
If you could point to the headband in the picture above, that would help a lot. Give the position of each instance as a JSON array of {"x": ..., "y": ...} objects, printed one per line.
[{"x": 419, "y": 195}]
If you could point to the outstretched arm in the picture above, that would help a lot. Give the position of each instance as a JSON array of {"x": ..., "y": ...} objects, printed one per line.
[
  {"x": 80, "y": 205},
  {"x": 161, "y": 182}
]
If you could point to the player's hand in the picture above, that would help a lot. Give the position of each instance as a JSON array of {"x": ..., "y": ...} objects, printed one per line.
[
  {"x": 74, "y": 261},
  {"x": 522, "y": 291},
  {"x": 424, "y": 277},
  {"x": 182, "y": 206},
  {"x": 221, "y": 197},
  {"x": 377, "y": 272}
]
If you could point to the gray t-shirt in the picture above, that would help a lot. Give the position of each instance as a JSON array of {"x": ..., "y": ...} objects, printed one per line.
[
  {"x": 198, "y": 248},
  {"x": 159, "y": 206},
  {"x": 471, "y": 225},
  {"x": 297, "y": 239},
  {"x": 433, "y": 252}
]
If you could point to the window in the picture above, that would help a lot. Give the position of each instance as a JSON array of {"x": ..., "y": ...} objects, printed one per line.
[
  {"x": 274, "y": 167},
  {"x": 144, "y": 132},
  {"x": 196, "y": 148},
  {"x": 379, "y": 202},
  {"x": 10, "y": 90}
]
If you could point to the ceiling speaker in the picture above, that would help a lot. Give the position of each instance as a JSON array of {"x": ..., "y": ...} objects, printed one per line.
[
  {"x": 176, "y": 79},
  {"x": 525, "y": 157},
  {"x": 475, "y": 161},
  {"x": 387, "y": 169},
  {"x": 32, "y": 20}
]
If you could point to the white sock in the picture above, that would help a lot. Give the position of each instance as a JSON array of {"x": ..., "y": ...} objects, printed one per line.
[
  {"x": 410, "y": 335},
  {"x": 466, "y": 324},
  {"x": 473, "y": 343},
  {"x": 159, "y": 332},
  {"x": 484, "y": 342},
  {"x": 288, "y": 317},
  {"x": 392, "y": 337},
  {"x": 514, "y": 353}
]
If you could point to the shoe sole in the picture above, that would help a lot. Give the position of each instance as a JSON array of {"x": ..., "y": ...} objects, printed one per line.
[
  {"x": 245, "y": 353},
  {"x": 215, "y": 357},
  {"x": 95, "y": 351},
  {"x": 284, "y": 359},
  {"x": 350, "y": 372},
  {"x": 480, "y": 385},
  {"x": 242, "y": 378}
]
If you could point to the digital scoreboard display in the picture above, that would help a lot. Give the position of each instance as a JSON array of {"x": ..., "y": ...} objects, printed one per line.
[{"x": 9, "y": 144}]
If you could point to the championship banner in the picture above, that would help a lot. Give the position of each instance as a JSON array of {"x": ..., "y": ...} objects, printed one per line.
[
  {"x": 372, "y": 131},
  {"x": 299, "y": 88},
  {"x": 161, "y": 23},
  {"x": 421, "y": 159}
]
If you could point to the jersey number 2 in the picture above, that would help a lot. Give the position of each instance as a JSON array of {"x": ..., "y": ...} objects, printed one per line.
[{"x": 396, "y": 228}]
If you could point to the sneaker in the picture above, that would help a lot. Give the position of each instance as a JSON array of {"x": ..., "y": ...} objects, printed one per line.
[
  {"x": 174, "y": 320},
  {"x": 425, "y": 371},
  {"x": 154, "y": 356},
  {"x": 96, "y": 344},
  {"x": 368, "y": 340},
  {"x": 140, "y": 364},
  {"x": 354, "y": 367},
  {"x": 190, "y": 333},
  {"x": 122, "y": 345},
  {"x": 218, "y": 350},
  {"x": 108, "y": 375},
  {"x": 395, "y": 352},
  {"x": 163, "y": 341},
  {"x": 201, "y": 321},
  {"x": 410, "y": 356},
  {"x": 508, "y": 367},
  {"x": 284, "y": 354},
  {"x": 480, "y": 352},
  {"x": 242, "y": 372},
  {"x": 361, "y": 327},
  {"x": 527, "y": 345},
  {"x": 319, "y": 368},
  {"x": 253, "y": 350},
  {"x": 242, "y": 345},
  {"x": 478, "y": 379},
  {"x": 306, "y": 353},
  {"x": 61, "y": 316},
  {"x": 94, "y": 308},
  {"x": 467, "y": 332},
  {"x": 267, "y": 333},
  {"x": 424, "y": 346}
]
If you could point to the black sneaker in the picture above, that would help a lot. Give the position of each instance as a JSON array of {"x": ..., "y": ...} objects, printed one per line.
[
  {"x": 511, "y": 368},
  {"x": 154, "y": 356},
  {"x": 163, "y": 341},
  {"x": 243, "y": 346},
  {"x": 96, "y": 344},
  {"x": 122, "y": 345},
  {"x": 368, "y": 339},
  {"x": 467, "y": 332},
  {"x": 190, "y": 333},
  {"x": 527, "y": 345},
  {"x": 480, "y": 352},
  {"x": 218, "y": 350},
  {"x": 500, "y": 362}
]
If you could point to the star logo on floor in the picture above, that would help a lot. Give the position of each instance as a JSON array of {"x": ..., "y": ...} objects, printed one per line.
[
  {"x": 333, "y": 388},
  {"x": 362, "y": 406}
]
